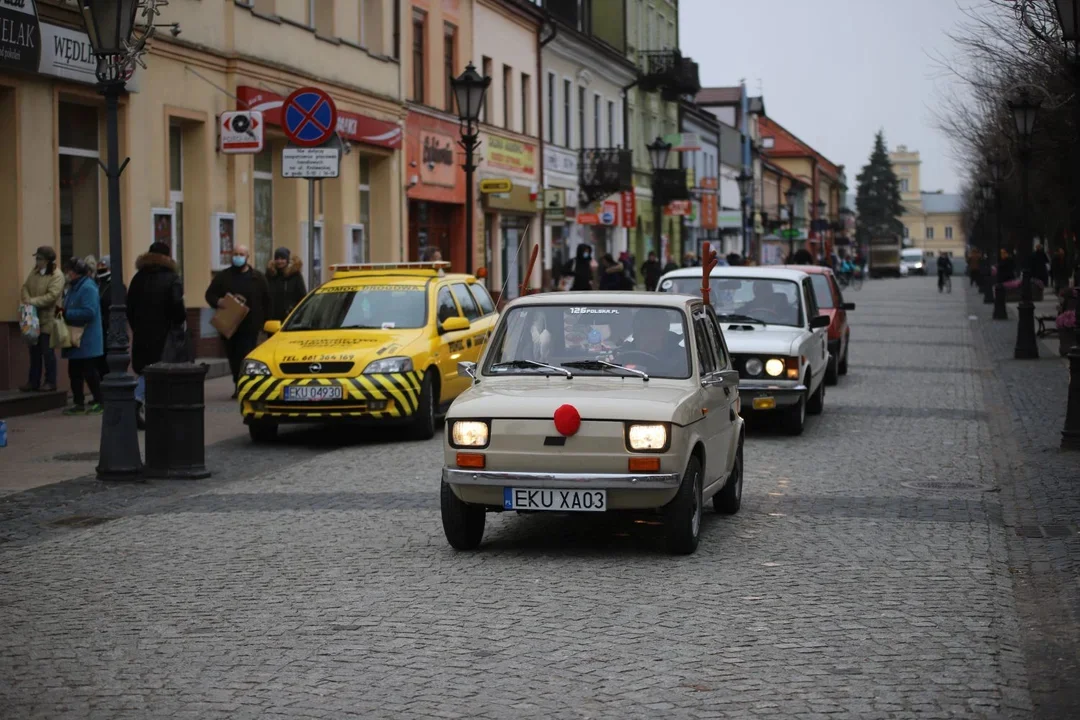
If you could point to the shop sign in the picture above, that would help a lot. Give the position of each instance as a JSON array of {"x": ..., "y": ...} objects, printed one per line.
[
  {"x": 709, "y": 211},
  {"x": 437, "y": 159},
  {"x": 496, "y": 185},
  {"x": 66, "y": 53},
  {"x": 628, "y": 208},
  {"x": 588, "y": 219},
  {"x": 729, "y": 219},
  {"x": 241, "y": 132},
  {"x": 560, "y": 161},
  {"x": 555, "y": 205},
  {"x": 520, "y": 199},
  {"x": 683, "y": 142},
  {"x": 313, "y": 163},
  {"x": 709, "y": 183},
  {"x": 20, "y": 35},
  {"x": 506, "y": 154},
  {"x": 609, "y": 212},
  {"x": 677, "y": 208},
  {"x": 352, "y": 126}
]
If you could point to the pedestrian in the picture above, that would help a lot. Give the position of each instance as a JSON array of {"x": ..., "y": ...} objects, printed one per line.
[
  {"x": 286, "y": 283},
  {"x": 155, "y": 305},
  {"x": 82, "y": 309},
  {"x": 580, "y": 268},
  {"x": 104, "y": 283},
  {"x": 42, "y": 289},
  {"x": 690, "y": 260},
  {"x": 1040, "y": 264},
  {"x": 1059, "y": 271},
  {"x": 629, "y": 272},
  {"x": 974, "y": 260},
  {"x": 651, "y": 271},
  {"x": 802, "y": 256},
  {"x": 611, "y": 273},
  {"x": 670, "y": 266},
  {"x": 248, "y": 286},
  {"x": 1006, "y": 268}
]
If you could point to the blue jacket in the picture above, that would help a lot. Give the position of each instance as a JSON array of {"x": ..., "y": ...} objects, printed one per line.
[{"x": 82, "y": 308}]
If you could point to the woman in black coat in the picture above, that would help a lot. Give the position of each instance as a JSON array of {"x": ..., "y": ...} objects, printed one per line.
[
  {"x": 286, "y": 281},
  {"x": 155, "y": 305},
  {"x": 581, "y": 268}
]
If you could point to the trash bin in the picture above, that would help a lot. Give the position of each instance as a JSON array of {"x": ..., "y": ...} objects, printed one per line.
[{"x": 175, "y": 424}]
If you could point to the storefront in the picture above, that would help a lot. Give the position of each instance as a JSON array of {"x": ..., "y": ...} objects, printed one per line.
[
  {"x": 511, "y": 220},
  {"x": 436, "y": 191}
]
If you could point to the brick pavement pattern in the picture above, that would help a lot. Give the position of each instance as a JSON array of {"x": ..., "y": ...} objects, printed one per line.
[{"x": 867, "y": 576}]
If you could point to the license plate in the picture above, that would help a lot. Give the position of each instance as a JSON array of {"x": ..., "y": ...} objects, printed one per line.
[
  {"x": 555, "y": 500},
  {"x": 312, "y": 393},
  {"x": 764, "y": 403}
]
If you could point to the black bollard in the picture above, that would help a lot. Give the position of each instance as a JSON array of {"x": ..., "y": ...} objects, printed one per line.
[
  {"x": 175, "y": 425},
  {"x": 1070, "y": 435},
  {"x": 1000, "y": 313}
]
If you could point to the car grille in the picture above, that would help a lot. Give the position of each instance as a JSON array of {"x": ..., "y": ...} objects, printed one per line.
[
  {"x": 348, "y": 405},
  {"x": 325, "y": 368}
]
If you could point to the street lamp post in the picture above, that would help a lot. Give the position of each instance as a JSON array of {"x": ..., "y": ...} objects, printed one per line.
[
  {"x": 1025, "y": 108},
  {"x": 110, "y": 25},
  {"x": 470, "y": 90},
  {"x": 746, "y": 189},
  {"x": 658, "y": 158},
  {"x": 986, "y": 188},
  {"x": 819, "y": 207},
  {"x": 790, "y": 196}
]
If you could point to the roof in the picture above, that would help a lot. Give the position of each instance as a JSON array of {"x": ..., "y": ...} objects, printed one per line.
[
  {"x": 719, "y": 96},
  {"x": 771, "y": 272},
  {"x": 786, "y": 144},
  {"x": 593, "y": 297},
  {"x": 942, "y": 203}
]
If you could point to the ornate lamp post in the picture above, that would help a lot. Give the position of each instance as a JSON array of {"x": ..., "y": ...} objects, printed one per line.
[
  {"x": 986, "y": 191},
  {"x": 822, "y": 224},
  {"x": 1025, "y": 108},
  {"x": 746, "y": 190},
  {"x": 658, "y": 158},
  {"x": 790, "y": 196},
  {"x": 110, "y": 25},
  {"x": 470, "y": 90}
]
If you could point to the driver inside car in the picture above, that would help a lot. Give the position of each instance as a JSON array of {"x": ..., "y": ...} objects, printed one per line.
[
  {"x": 773, "y": 305},
  {"x": 652, "y": 337}
]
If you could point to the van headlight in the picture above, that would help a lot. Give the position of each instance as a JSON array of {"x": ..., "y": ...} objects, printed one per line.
[
  {"x": 255, "y": 367},
  {"x": 469, "y": 433},
  {"x": 389, "y": 365},
  {"x": 774, "y": 367},
  {"x": 753, "y": 367},
  {"x": 646, "y": 437}
]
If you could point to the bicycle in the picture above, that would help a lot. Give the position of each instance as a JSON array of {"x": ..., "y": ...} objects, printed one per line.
[
  {"x": 850, "y": 279},
  {"x": 944, "y": 283}
]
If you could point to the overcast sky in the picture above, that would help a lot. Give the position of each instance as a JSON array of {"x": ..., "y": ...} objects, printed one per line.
[{"x": 834, "y": 71}]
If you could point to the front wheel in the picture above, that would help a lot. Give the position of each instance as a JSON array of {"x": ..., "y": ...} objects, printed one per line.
[
  {"x": 463, "y": 524},
  {"x": 682, "y": 516},
  {"x": 843, "y": 366},
  {"x": 816, "y": 404},
  {"x": 729, "y": 499},
  {"x": 423, "y": 424},
  {"x": 794, "y": 419}
]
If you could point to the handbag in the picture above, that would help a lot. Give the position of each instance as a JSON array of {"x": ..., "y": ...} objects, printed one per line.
[
  {"x": 61, "y": 334},
  {"x": 29, "y": 323},
  {"x": 177, "y": 348}
]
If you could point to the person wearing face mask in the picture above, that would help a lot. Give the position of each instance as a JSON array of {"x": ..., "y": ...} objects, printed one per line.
[
  {"x": 42, "y": 289},
  {"x": 250, "y": 287},
  {"x": 82, "y": 309},
  {"x": 581, "y": 268},
  {"x": 104, "y": 283}
]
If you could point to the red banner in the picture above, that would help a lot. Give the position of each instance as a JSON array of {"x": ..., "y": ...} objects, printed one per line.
[
  {"x": 355, "y": 127},
  {"x": 588, "y": 219},
  {"x": 628, "y": 209},
  {"x": 709, "y": 212},
  {"x": 678, "y": 207}
]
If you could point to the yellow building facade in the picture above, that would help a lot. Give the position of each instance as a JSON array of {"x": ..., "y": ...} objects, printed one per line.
[{"x": 932, "y": 220}]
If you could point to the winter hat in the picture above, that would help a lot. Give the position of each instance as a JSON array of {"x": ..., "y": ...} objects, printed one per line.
[
  {"x": 104, "y": 264},
  {"x": 282, "y": 253},
  {"x": 160, "y": 248},
  {"x": 46, "y": 253}
]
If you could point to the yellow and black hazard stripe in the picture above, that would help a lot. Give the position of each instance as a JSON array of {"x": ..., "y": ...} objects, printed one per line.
[{"x": 400, "y": 390}]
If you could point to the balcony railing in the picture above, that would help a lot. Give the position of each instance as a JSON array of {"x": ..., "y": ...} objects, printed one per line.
[
  {"x": 670, "y": 185},
  {"x": 671, "y": 73},
  {"x": 605, "y": 171}
]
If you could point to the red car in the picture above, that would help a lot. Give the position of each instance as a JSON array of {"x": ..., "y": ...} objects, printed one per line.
[{"x": 831, "y": 302}]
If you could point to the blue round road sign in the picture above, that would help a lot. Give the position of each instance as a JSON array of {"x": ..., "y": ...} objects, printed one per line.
[
  {"x": 607, "y": 217},
  {"x": 309, "y": 117}
]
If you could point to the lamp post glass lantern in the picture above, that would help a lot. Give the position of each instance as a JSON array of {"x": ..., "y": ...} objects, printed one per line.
[
  {"x": 658, "y": 153},
  {"x": 470, "y": 91},
  {"x": 1068, "y": 13},
  {"x": 109, "y": 24}
]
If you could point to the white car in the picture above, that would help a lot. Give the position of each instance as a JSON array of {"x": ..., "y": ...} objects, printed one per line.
[
  {"x": 596, "y": 402},
  {"x": 776, "y": 334},
  {"x": 912, "y": 262}
]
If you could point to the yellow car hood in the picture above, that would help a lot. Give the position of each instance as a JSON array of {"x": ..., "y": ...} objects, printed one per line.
[{"x": 357, "y": 346}]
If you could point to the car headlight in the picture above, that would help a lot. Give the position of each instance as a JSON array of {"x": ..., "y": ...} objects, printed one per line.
[
  {"x": 255, "y": 367},
  {"x": 647, "y": 437},
  {"x": 389, "y": 365},
  {"x": 774, "y": 367},
  {"x": 469, "y": 433},
  {"x": 918, "y": 266},
  {"x": 753, "y": 367}
]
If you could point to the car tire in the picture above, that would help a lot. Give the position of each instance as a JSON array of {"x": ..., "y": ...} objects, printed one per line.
[
  {"x": 463, "y": 524},
  {"x": 816, "y": 404},
  {"x": 843, "y": 365},
  {"x": 729, "y": 499},
  {"x": 423, "y": 424},
  {"x": 682, "y": 516},
  {"x": 795, "y": 418},
  {"x": 832, "y": 371},
  {"x": 262, "y": 432}
]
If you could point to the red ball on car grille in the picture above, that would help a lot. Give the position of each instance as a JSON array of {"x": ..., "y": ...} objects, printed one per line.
[{"x": 567, "y": 420}]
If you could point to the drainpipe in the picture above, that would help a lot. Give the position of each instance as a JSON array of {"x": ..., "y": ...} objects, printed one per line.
[{"x": 542, "y": 42}]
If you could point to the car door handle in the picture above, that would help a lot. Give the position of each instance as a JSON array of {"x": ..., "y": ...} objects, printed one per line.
[{"x": 731, "y": 411}]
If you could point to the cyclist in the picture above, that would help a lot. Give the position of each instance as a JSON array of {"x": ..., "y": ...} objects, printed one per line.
[{"x": 944, "y": 270}]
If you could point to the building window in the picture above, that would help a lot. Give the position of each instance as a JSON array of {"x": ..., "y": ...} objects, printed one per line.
[
  {"x": 418, "y": 57},
  {"x": 610, "y": 124},
  {"x": 361, "y": 34},
  {"x": 526, "y": 94},
  {"x": 597, "y": 109},
  {"x": 567, "y": 99},
  {"x": 929, "y": 233},
  {"x": 903, "y": 184},
  {"x": 507, "y": 93},
  {"x": 486, "y": 64},
  {"x": 264, "y": 206},
  {"x": 80, "y": 201},
  {"x": 360, "y": 251},
  {"x": 907, "y": 232},
  {"x": 176, "y": 190},
  {"x": 311, "y": 13},
  {"x": 449, "y": 37},
  {"x": 948, "y": 232},
  {"x": 551, "y": 108},
  {"x": 581, "y": 116},
  {"x": 397, "y": 29}
]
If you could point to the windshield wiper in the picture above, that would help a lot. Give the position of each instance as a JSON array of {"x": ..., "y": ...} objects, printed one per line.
[
  {"x": 360, "y": 327},
  {"x": 604, "y": 365},
  {"x": 532, "y": 364},
  {"x": 738, "y": 317}
]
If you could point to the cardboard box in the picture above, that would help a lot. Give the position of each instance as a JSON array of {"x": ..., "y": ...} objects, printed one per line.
[{"x": 228, "y": 318}]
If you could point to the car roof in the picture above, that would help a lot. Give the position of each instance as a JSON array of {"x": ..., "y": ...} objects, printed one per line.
[
  {"x": 769, "y": 272},
  {"x": 623, "y": 298},
  {"x": 396, "y": 278},
  {"x": 810, "y": 269}
]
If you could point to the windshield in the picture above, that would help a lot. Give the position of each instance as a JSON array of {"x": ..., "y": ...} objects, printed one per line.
[
  {"x": 774, "y": 302},
  {"x": 379, "y": 307},
  {"x": 822, "y": 291},
  {"x": 912, "y": 255},
  {"x": 647, "y": 339}
]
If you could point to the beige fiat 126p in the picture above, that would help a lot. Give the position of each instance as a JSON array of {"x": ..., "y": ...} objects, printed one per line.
[{"x": 596, "y": 402}]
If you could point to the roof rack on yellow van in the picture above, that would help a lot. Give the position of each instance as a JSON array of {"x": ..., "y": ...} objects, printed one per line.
[{"x": 430, "y": 269}]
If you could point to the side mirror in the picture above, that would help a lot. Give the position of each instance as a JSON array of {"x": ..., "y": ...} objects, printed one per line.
[
  {"x": 729, "y": 378},
  {"x": 849, "y": 306},
  {"x": 272, "y": 326},
  {"x": 467, "y": 368},
  {"x": 454, "y": 324},
  {"x": 821, "y": 321}
]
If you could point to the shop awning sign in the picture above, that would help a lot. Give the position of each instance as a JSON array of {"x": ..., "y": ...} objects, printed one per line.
[
  {"x": 20, "y": 35},
  {"x": 355, "y": 127},
  {"x": 492, "y": 186},
  {"x": 309, "y": 117},
  {"x": 311, "y": 163}
]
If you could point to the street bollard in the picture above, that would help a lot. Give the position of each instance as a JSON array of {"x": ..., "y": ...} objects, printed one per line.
[
  {"x": 175, "y": 423},
  {"x": 1000, "y": 313},
  {"x": 1070, "y": 435}
]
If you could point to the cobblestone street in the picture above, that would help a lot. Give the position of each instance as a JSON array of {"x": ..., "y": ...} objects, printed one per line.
[{"x": 879, "y": 568}]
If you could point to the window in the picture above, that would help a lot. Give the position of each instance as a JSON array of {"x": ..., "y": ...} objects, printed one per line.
[
  {"x": 948, "y": 232},
  {"x": 823, "y": 291},
  {"x": 597, "y": 118},
  {"x": 706, "y": 358},
  {"x": 507, "y": 90},
  {"x": 80, "y": 198},
  {"x": 526, "y": 91},
  {"x": 176, "y": 191},
  {"x": 907, "y": 232},
  {"x": 650, "y": 30},
  {"x": 567, "y": 134},
  {"x": 449, "y": 35},
  {"x": 397, "y": 29},
  {"x": 418, "y": 69},
  {"x": 465, "y": 300},
  {"x": 717, "y": 338},
  {"x": 581, "y": 116},
  {"x": 552, "y": 91},
  {"x": 487, "y": 305},
  {"x": 365, "y": 206},
  {"x": 373, "y": 306},
  {"x": 446, "y": 308},
  {"x": 610, "y": 124},
  {"x": 264, "y": 206},
  {"x": 361, "y": 35},
  {"x": 904, "y": 185},
  {"x": 311, "y": 13},
  {"x": 929, "y": 232},
  {"x": 486, "y": 63}
]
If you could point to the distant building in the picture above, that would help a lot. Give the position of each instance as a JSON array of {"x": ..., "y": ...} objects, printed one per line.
[{"x": 931, "y": 219}]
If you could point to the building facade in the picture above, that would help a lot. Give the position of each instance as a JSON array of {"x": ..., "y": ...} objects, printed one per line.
[
  {"x": 932, "y": 220},
  {"x": 178, "y": 188},
  {"x": 701, "y": 214}
]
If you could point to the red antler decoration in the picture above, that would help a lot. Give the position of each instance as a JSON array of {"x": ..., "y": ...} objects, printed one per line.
[
  {"x": 708, "y": 262},
  {"x": 528, "y": 272}
]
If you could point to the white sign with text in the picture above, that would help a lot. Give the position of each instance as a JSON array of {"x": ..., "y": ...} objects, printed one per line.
[{"x": 313, "y": 163}]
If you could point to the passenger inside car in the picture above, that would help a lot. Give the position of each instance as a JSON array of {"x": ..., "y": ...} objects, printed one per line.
[{"x": 654, "y": 348}]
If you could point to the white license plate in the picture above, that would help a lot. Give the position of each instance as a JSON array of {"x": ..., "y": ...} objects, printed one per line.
[
  {"x": 555, "y": 500},
  {"x": 312, "y": 393}
]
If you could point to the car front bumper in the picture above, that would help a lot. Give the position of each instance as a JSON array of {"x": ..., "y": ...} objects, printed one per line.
[
  {"x": 625, "y": 491},
  {"x": 367, "y": 398},
  {"x": 755, "y": 395}
]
